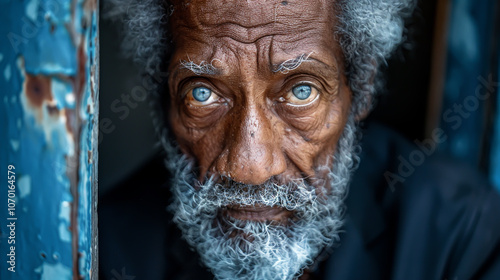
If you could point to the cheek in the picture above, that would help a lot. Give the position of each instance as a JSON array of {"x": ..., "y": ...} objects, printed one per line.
[
  {"x": 336, "y": 119},
  {"x": 208, "y": 148},
  {"x": 311, "y": 150},
  {"x": 334, "y": 122},
  {"x": 183, "y": 135},
  {"x": 203, "y": 145},
  {"x": 333, "y": 127}
]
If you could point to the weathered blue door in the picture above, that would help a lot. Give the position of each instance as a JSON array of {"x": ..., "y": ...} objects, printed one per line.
[{"x": 48, "y": 121}]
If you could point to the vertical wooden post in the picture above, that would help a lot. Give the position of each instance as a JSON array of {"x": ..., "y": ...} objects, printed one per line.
[
  {"x": 48, "y": 145},
  {"x": 438, "y": 66}
]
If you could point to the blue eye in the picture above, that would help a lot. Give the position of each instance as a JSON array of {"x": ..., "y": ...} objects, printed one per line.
[
  {"x": 302, "y": 92},
  {"x": 201, "y": 94}
]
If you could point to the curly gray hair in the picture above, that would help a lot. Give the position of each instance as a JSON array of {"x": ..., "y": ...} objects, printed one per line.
[{"x": 368, "y": 32}]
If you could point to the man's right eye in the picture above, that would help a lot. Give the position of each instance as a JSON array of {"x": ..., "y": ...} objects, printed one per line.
[{"x": 201, "y": 96}]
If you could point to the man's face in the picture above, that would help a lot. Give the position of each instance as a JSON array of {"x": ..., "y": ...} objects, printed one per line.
[
  {"x": 258, "y": 101},
  {"x": 242, "y": 118}
]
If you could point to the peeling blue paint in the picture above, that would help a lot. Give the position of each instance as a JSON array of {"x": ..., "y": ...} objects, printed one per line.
[
  {"x": 48, "y": 126},
  {"x": 64, "y": 222},
  {"x": 53, "y": 271},
  {"x": 31, "y": 9},
  {"x": 24, "y": 185},
  {"x": 14, "y": 144},
  {"x": 7, "y": 72},
  {"x": 64, "y": 233},
  {"x": 63, "y": 93}
]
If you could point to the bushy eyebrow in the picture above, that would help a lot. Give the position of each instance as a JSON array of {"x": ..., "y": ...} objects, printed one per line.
[
  {"x": 207, "y": 68},
  {"x": 291, "y": 64},
  {"x": 203, "y": 68}
]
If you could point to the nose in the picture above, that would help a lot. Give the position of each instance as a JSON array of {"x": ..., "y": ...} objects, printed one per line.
[{"x": 253, "y": 153}]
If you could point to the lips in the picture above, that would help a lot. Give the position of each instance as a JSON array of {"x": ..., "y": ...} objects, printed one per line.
[{"x": 257, "y": 213}]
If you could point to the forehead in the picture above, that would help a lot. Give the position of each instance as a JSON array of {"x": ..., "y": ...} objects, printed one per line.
[
  {"x": 247, "y": 14},
  {"x": 281, "y": 28}
]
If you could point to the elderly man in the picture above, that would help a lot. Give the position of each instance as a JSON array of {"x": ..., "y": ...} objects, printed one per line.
[{"x": 262, "y": 100}]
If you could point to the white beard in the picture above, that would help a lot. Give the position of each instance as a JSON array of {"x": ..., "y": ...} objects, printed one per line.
[{"x": 266, "y": 250}]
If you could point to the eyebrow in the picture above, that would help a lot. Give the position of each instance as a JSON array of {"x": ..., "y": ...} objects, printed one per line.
[
  {"x": 204, "y": 68},
  {"x": 291, "y": 64},
  {"x": 207, "y": 68}
]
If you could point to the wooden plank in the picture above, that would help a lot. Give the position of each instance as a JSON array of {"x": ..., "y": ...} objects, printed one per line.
[
  {"x": 438, "y": 67},
  {"x": 48, "y": 126}
]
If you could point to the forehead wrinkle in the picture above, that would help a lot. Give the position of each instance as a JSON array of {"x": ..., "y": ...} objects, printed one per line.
[
  {"x": 226, "y": 21},
  {"x": 246, "y": 34},
  {"x": 237, "y": 20},
  {"x": 252, "y": 14},
  {"x": 251, "y": 35},
  {"x": 236, "y": 12}
]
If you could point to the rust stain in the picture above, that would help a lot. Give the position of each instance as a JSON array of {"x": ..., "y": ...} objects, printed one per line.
[
  {"x": 40, "y": 98},
  {"x": 78, "y": 86},
  {"x": 90, "y": 5},
  {"x": 37, "y": 89},
  {"x": 81, "y": 77},
  {"x": 70, "y": 119},
  {"x": 92, "y": 74}
]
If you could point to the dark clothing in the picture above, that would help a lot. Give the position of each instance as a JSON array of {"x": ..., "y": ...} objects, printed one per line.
[{"x": 438, "y": 220}]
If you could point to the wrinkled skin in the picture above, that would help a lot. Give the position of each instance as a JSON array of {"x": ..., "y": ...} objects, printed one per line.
[{"x": 253, "y": 129}]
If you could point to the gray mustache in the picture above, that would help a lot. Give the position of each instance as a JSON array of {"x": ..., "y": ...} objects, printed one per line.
[{"x": 290, "y": 196}]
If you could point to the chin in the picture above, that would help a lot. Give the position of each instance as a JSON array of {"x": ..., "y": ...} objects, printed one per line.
[{"x": 270, "y": 231}]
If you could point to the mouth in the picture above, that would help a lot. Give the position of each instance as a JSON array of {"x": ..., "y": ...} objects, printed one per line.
[{"x": 258, "y": 213}]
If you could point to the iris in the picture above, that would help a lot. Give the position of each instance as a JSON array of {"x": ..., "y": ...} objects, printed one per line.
[
  {"x": 302, "y": 92},
  {"x": 201, "y": 94}
]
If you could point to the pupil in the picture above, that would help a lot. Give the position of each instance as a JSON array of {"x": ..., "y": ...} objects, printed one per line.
[
  {"x": 201, "y": 94},
  {"x": 302, "y": 92}
]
